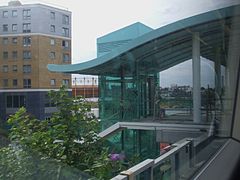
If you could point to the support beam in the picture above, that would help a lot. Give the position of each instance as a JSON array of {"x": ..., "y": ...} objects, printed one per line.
[
  {"x": 122, "y": 93},
  {"x": 218, "y": 76},
  {"x": 196, "y": 78}
]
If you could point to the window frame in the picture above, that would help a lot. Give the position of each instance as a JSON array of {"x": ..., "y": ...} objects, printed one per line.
[
  {"x": 66, "y": 82},
  {"x": 5, "y": 41},
  {"x": 27, "y": 55},
  {"x": 27, "y": 69},
  {"x": 27, "y": 41},
  {"x": 20, "y": 101},
  {"x": 26, "y": 27},
  {"x": 5, "y": 27},
  {"x": 66, "y": 19},
  {"x": 13, "y": 13},
  {"x": 14, "y": 55},
  {"x": 53, "y": 82},
  {"x": 5, "y": 14},
  {"x": 14, "y": 40},
  {"x": 5, "y": 69},
  {"x": 5, "y": 55},
  {"x": 64, "y": 57},
  {"x": 27, "y": 83},
  {"x": 65, "y": 32},
  {"x": 52, "y": 15},
  {"x": 52, "y": 28},
  {"x": 52, "y": 55},
  {"x": 65, "y": 44},
  {"x": 14, "y": 82},
  {"x": 14, "y": 28},
  {"x": 26, "y": 13},
  {"x": 14, "y": 68},
  {"x": 5, "y": 83},
  {"x": 52, "y": 42}
]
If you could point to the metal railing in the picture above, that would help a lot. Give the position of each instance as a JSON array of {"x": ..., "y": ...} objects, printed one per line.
[
  {"x": 182, "y": 151},
  {"x": 152, "y": 126}
]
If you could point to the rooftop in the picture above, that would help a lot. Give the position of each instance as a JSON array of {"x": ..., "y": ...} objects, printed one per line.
[{"x": 16, "y": 3}]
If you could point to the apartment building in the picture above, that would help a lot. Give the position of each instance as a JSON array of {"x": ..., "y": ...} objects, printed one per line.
[{"x": 32, "y": 36}]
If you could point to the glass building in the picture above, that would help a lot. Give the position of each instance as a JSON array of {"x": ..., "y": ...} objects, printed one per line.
[{"x": 175, "y": 130}]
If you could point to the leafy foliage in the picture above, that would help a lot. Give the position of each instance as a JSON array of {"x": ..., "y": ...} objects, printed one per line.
[{"x": 69, "y": 136}]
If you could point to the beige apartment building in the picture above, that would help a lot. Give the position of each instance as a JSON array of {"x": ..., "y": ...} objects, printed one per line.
[{"x": 32, "y": 36}]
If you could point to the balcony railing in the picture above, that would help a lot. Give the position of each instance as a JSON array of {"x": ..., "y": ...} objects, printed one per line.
[{"x": 174, "y": 164}]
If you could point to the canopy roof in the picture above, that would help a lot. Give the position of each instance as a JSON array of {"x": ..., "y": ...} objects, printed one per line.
[{"x": 162, "y": 48}]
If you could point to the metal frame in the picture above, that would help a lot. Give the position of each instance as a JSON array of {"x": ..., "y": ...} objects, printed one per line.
[{"x": 149, "y": 164}]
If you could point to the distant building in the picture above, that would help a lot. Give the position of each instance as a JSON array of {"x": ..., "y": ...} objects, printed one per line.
[
  {"x": 85, "y": 86},
  {"x": 86, "y": 91},
  {"x": 85, "y": 80},
  {"x": 32, "y": 36},
  {"x": 185, "y": 88}
]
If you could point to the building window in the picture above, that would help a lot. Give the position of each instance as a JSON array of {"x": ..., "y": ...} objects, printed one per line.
[
  {"x": 52, "y": 28},
  {"x": 52, "y": 15},
  {"x": 5, "y": 68},
  {"x": 65, "y": 44},
  {"x": 14, "y": 27},
  {"x": 65, "y": 19},
  {"x": 65, "y": 32},
  {"x": 15, "y": 82},
  {"x": 27, "y": 14},
  {"x": 65, "y": 82},
  {"x": 26, "y": 83},
  {"x": 52, "y": 42},
  {"x": 14, "y": 13},
  {"x": 27, "y": 69},
  {"x": 5, "y": 82},
  {"x": 5, "y": 14},
  {"x": 53, "y": 82},
  {"x": 66, "y": 57},
  {"x": 14, "y": 55},
  {"x": 52, "y": 55},
  {"x": 27, "y": 41},
  {"x": 14, "y": 68},
  {"x": 5, "y": 27},
  {"x": 27, "y": 55},
  {"x": 5, "y": 55},
  {"x": 26, "y": 27},
  {"x": 16, "y": 101},
  {"x": 5, "y": 41},
  {"x": 14, "y": 40}
]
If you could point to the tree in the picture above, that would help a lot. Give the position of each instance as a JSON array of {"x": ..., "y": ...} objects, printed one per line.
[{"x": 69, "y": 136}]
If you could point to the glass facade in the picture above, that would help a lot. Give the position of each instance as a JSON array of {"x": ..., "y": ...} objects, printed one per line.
[
  {"x": 127, "y": 98},
  {"x": 187, "y": 77}
]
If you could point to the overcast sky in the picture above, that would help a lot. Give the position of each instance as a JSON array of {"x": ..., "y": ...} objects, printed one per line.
[{"x": 94, "y": 18}]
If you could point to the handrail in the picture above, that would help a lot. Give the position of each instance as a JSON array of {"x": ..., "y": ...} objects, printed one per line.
[
  {"x": 152, "y": 126},
  {"x": 139, "y": 168},
  {"x": 120, "y": 177},
  {"x": 150, "y": 164},
  {"x": 176, "y": 148}
]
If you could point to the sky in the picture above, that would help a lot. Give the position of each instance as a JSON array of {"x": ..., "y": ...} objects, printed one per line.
[{"x": 94, "y": 18}]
